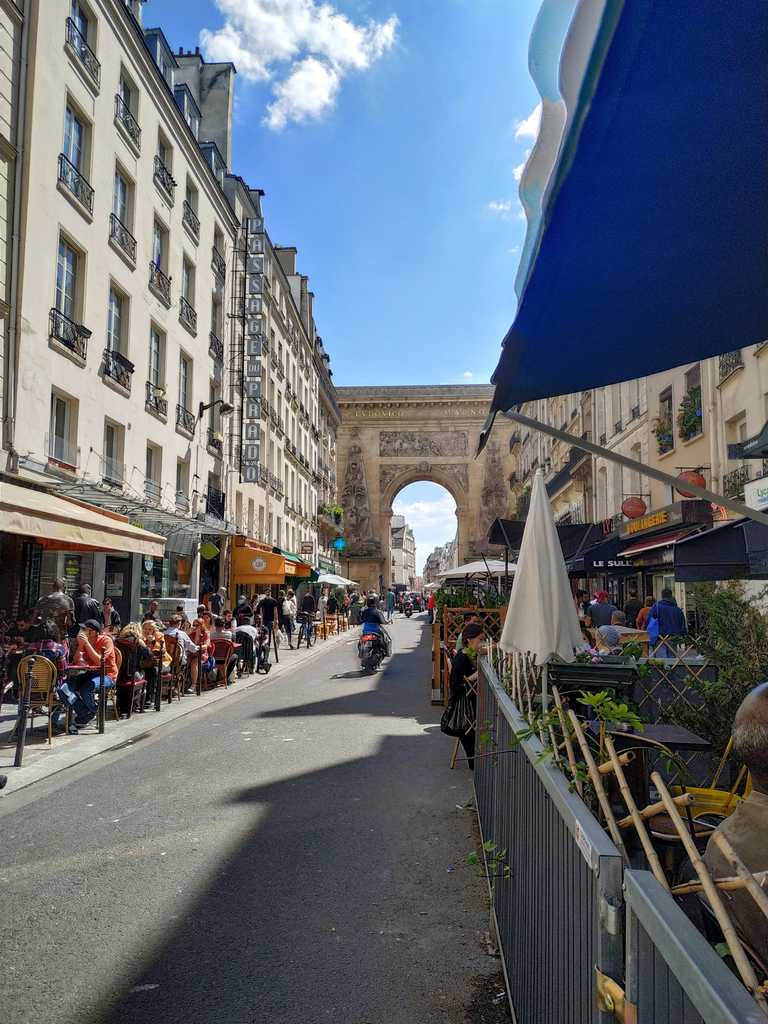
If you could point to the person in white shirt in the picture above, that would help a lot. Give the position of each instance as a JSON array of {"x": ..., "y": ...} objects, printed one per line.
[
  {"x": 289, "y": 615},
  {"x": 186, "y": 645}
]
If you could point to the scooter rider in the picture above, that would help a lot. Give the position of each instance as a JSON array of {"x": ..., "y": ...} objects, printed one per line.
[{"x": 376, "y": 620}]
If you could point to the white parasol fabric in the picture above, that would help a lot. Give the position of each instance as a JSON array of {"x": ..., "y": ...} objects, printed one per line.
[
  {"x": 332, "y": 580},
  {"x": 541, "y": 617},
  {"x": 479, "y": 568}
]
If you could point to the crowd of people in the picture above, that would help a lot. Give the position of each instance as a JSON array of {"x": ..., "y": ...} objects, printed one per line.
[{"x": 603, "y": 623}]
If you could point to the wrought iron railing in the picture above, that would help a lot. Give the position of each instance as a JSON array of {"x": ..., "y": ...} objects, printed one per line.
[
  {"x": 730, "y": 361},
  {"x": 164, "y": 178},
  {"x": 152, "y": 489},
  {"x": 187, "y": 314},
  {"x": 190, "y": 219},
  {"x": 76, "y": 41},
  {"x": 185, "y": 419},
  {"x": 155, "y": 400},
  {"x": 618, "y": 426},
  {"x": 160, "y": 283},
  {"x": 215, "y": 502},
  {"x": 123, "y": 238},
  {"x": 215, "y": 442},
  {"x": 733, "y": 482},
  {"x": 124, "y": 117},
  {"x": 73, "y": 180},
  {"x": 215, "y": 348},
  {"x": 118, "y": 368},
  {"x": 73, "y": 336},
  {"x": 218, "y": 264},
  {"x": 182, "y": 501}
]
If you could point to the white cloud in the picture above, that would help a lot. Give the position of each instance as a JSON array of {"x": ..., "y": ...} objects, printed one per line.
[
  {"x": 468, "y": 374},
  {"x": 304, "y": 47},
  {"x": 501, "y": 206},
  {"x": 432, "y": 522},
  {"x": 529, "y": 127}
]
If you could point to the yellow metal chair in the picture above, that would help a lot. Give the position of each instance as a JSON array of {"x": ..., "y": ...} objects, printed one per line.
[
  {"x": 719, "y": 802},
  {"x": 43, "y": 696}
]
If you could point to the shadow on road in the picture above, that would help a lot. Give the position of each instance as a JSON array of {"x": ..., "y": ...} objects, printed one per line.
[{"x": 350, "y": 900}]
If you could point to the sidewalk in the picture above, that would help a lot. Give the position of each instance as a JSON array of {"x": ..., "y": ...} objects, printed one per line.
[{"x": 42, "y": 761}]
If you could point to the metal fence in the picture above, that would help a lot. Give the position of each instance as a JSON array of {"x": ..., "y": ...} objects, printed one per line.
[
  {"x": 570, "y": 909},
  {"x": 673, "y": 976},
  {"x": 559, "y": 914}
]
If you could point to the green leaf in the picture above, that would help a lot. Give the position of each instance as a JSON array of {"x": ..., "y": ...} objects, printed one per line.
[
  {"x": 472, "y": 858},
  {"x": 489, "y": 846}
]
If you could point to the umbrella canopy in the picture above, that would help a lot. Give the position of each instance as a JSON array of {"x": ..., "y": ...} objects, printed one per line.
[
  {"x": 645, "y": 194},
  {"x": 332, "y": 580},
  {"x": 541, "y": 617},
  {"x": 493, "y": 566}
]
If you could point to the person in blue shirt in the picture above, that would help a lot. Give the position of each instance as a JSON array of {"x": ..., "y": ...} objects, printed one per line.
[
  {"x": 390, "y": 604},
  {"x": 669, "y": 614}
]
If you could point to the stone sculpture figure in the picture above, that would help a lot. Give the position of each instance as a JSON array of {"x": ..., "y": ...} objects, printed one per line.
[{"x": 357, "y": 507}]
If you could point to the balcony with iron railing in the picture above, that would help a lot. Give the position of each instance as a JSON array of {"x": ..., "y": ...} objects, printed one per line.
[
  {"x": 74, "y": 183},
  {"x": 733, "y": 482},
  {"x": 125, "y": 120},
  {"x": 218, "y": 264},
  {"x": 164, "y": 179},
  {"x": 76, "y": 44},
  {"x": 155, "y": 400},
  {"x": 160, "y": 284},
  {"x": 187, "y": 315},
  {"x": 152, "y": 489},
  {"x": 215, "y": 501},
  {"x": 190, "y": 220},
  {"x": 185, "y": 420},
  {"x": 117, "y": 368},
  {"x": 182, "y": 501},
  {"x": 121, "y": 237},
  {"x": 618, "y": 426},
  {"x": 215, "y": 442},
  {"x": 215, "y": 348},
  {"x": 65, "y": 332},
  {"x": 729, "y": 363}
]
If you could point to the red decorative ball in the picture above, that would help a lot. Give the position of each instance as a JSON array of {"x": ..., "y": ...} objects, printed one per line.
[
  {"x": 690, "y": 476},
  {"x": 634, "y": 507}
]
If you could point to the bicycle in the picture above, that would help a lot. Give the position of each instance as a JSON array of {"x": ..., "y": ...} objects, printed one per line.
[{"x": 305, "y": 629}]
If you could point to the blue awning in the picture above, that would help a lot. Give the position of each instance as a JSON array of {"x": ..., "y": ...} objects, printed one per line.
[{"x": 646, "y": 194}]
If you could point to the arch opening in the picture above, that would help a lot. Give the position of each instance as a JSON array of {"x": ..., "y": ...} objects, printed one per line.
[{"x": 423, "y": 531}]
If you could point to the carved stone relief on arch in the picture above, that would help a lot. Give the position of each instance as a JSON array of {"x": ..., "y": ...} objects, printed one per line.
[{"x": 393, "y": 471}]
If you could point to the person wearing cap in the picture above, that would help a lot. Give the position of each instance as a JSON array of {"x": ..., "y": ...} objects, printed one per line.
[
  {"x": 90, "y": 644},
  {"x": 601, "y": 612}
]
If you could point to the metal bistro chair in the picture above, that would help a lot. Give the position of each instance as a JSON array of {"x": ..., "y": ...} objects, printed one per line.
[
  {"x": 131, "y": 692},
  {"x": 43, "y": 699},
  {"x": 171, "y": 681},
  {"x": 223, "y": 653}
]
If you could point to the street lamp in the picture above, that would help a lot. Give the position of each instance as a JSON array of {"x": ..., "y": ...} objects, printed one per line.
[{"x": 225, "y": 410}]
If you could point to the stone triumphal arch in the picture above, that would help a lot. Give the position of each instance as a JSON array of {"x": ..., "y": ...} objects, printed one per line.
[{"x": 392, "y": 436}]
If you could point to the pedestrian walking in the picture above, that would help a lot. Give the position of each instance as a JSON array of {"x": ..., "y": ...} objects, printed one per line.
[
  {"x": 86, "y": 606},
  {"x": 632, "y": 609},
  {"x": 642, "y": 615},
  {"x": 218, "y": 600},
  {"x": 431, "y": 607},
  {"x": 602, "y": 609},
  {"x": 390, "y": 604},
  {"x": 289, "y": 615}
]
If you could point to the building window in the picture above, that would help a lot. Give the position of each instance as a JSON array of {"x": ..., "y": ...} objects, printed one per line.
[
  {"x": 690, "y": 419},
  {"x": 156, "y": 361},
  {"x": 185, "y": 381},
  {"x": 663, "y": 428},
  {"x": 153, "y": 471},
  {"x": 189, "y": 214},
  {"x": 115, "y": 321},
  {"x": 159, "y": 245},
  {"x": 74, "y": 139},
  {"x": 63, "y": 430},
  {"x": 188, "y": 281},
  {"x": 113, "y": 470},
  {"x": 182, "y": 485},
  {"x": 67, "y": 267}
]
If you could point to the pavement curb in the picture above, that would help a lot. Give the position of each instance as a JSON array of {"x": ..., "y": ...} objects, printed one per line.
[{"x": 116, "y": 739}]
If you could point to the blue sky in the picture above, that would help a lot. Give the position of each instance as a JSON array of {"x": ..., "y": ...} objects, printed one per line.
[{"x": 387, "y": 135}]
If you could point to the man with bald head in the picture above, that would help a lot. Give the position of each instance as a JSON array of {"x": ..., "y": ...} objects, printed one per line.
[{"x": 747, "y": 828}]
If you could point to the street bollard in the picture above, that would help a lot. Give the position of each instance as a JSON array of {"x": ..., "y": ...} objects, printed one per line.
[
  {"x": 102, "y": 695},
  {"x": 25, "y": 703},
  {"x": 199, "y": 683}
]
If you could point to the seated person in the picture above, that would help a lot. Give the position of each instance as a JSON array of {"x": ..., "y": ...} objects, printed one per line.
[
  {"x": 153, "y": 641},
  {"x": 40, "y": 639},
  {"x": 220, "y": 632},
  {"x": 186, "y": 647},
  {"x": 109, "y": 616},
  {"x": 609, "y": 637},
  {"x": 468, "y": 617},
  {"x": 90, "y": 643},
  {"x": 747, "y": 828}
]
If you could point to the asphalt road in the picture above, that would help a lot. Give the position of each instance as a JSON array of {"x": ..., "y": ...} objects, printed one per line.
[{"x": 295, "y": 854}]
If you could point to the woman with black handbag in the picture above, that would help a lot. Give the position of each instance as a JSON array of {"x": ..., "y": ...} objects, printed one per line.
[{"x": 459, "y": 718}]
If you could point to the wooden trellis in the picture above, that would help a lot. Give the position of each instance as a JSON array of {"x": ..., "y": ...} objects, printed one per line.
[{"x": 444, "y": 636}]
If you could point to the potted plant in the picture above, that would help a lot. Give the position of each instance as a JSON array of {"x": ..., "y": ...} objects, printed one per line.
[
  {"x": 662, "y": 428},
  {"x": 337, "y": 512},
  {"x": 689, "y": 418}
]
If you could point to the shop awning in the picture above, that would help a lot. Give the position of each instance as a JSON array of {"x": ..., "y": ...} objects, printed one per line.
[
  {"x": 255, "y": 565},
  {"x": 573, "y": 536},
  {"x": 65, "y": 524},
  {"x": 731, "y": 551},
  {"x": 601, "y": 559},
  {"x": 645, "y": 194},
  {"x": 295, "y": 564},
  {"x": 654, "y": 542}
]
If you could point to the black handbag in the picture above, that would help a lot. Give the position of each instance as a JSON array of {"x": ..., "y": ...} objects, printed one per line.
[{"x": 457, "y": 718}]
